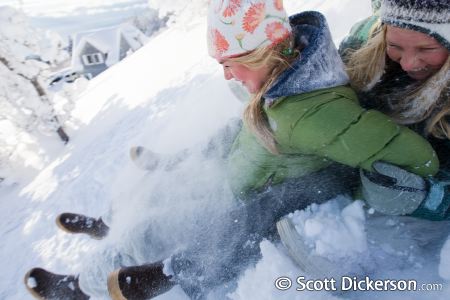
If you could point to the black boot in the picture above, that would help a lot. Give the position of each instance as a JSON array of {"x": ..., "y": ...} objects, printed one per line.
[
  {"x": 139, "y": 282},
  {"x": 46, "y": 285},
  {"x": 76, "y": 223}
]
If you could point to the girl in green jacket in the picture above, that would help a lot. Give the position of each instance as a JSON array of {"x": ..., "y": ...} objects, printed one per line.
[
  {"x": 303, "y": 134},
  {"x": 302, "y": 127}
]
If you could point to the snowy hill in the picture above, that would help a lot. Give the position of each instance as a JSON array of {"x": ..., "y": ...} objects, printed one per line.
[{"x": 167, "y": 96}]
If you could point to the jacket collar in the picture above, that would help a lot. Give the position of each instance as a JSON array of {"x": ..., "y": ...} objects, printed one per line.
[{"x": 318, "y": 66}]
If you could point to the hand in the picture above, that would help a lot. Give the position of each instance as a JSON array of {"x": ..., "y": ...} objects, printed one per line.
[{"x": 392, "y": 190}]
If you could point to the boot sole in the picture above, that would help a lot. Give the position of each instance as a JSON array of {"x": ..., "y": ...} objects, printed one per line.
[
  {"x": 31, "y": 290},
  {"x": 114, "y": 287},
  {"x": 61, "y": 226}
]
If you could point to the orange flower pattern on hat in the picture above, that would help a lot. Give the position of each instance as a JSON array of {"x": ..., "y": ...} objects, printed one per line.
[
  {"x": 236, "y": 27},
  {"x": 276, "y": 32},
  {"x": 232, "y": 7},
  {"x": 220, "y": 43},
  {"x": 254, "y": 16}
]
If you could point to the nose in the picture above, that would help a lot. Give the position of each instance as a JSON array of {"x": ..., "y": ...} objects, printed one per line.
[
  {"x": 410, "y": 62},
  {"x": 227, "y": 73}
]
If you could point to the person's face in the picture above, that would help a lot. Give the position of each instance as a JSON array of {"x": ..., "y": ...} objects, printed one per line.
[
  {"x": 252, "y": 79},
  {"x": 419, "y": 55}
]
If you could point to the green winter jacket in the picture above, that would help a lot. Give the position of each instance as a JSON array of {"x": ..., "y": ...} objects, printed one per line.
[
  {"x": 316, "y": 120},
  {"x": 316, "y": 128}
]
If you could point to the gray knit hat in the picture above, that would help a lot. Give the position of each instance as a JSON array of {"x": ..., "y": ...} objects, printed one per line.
[{"x": 431, "y": 17}]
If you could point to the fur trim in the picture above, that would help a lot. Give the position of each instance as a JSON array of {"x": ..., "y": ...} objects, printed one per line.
[{"x": 318, "y": 66}]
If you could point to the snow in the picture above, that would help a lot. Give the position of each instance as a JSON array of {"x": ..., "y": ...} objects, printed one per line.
[
  {"x": 444, "y": 266},
  {"x": 333, "y": 231},
  {"x": 258, "y": 282},
  {"x": 22, "y": 110},
  {"x": 169, "y": 96},
  {"x": 340, "y": 16}
]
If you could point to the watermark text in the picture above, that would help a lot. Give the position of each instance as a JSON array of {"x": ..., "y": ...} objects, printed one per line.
[{"x": 347, "y": 283}]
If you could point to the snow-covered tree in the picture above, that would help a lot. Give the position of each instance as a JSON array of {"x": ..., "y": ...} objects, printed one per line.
[
  {"x": 26, "y": 57},
  {"x": 149, "y": 21},
  {"x": 179, "y": 11}
]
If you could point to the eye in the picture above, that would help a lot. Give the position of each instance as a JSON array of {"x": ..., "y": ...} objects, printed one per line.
[
  {"x": 429, "y": 49},
  {"x": 393, "y": 46}
]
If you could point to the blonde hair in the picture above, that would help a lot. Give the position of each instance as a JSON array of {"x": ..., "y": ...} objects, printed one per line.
[
  {"x": 366, "y": 65},
  {"x": 427, "y": 101},
  {"x": 439, "y": 124},
  {"x": 254, "y": 116}
]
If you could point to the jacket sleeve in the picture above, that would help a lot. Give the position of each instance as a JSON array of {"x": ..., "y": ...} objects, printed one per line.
[{"x": 342, "y": 131}]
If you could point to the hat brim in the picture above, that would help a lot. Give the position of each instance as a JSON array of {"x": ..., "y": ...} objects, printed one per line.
[{"x": 440, "y": 31}]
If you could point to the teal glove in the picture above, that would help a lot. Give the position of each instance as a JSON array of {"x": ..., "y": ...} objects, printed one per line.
[
  {"x": 436, "y": 206},
  {"x": 392, "y": 190}
]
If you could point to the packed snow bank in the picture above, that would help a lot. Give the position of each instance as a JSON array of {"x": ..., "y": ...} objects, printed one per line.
[
  {"x": 361, "y": 246},
  {"x": 330, "y": 231},
  {"x": 259, "y": 282}
]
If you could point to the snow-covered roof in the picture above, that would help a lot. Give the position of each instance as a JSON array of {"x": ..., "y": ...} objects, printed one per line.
[{"x": 106, "y": 40}]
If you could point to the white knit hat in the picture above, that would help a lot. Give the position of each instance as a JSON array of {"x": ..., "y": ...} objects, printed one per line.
[
  {"x": 431, "y": 17},
  {"x": 236, "y": 27}
]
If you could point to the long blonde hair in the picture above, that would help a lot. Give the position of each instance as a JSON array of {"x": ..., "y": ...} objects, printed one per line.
[
  {"x": 277, "y": 62},
  {"x": 428, "y": 101}
]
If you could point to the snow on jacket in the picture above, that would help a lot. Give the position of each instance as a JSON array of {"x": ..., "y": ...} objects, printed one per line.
[{"x": 316, "y": 120}]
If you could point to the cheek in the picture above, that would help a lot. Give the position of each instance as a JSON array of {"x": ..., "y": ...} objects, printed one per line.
[
  {"x": 437, "y": 60},
  {"x": 393, "y": 54},
  {"x": 259, "y": 81},
  {"x": 239, "y": 73},
  {"x": 236, "y": 75}
]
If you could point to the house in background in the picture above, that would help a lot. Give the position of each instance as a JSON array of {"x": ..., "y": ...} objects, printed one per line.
[{"x": 95, "y": 51}]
